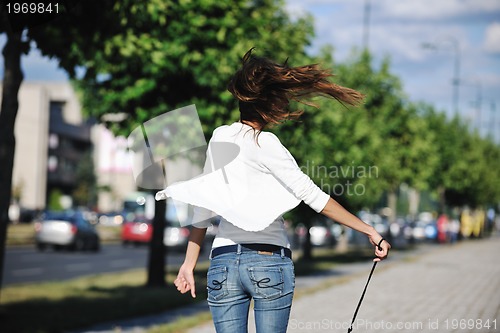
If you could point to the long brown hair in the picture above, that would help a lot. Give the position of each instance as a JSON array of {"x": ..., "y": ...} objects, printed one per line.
[{"x": 264, "y": 89}]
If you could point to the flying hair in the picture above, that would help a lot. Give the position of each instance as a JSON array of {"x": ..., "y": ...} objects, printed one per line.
[{"x": 264, "y": 89}]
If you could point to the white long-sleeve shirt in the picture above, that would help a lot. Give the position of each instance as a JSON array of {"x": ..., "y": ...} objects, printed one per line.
[{"x": 252, "y": 192}]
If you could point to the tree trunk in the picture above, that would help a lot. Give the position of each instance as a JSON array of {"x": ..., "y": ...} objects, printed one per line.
[
  {"x": 13, "y": 76},
  {"x": 306, "y": 215},
  {"x": 413, "y": 202},
  {"x": 307, "y": 247},
  {"x": 392, "y": 200},
  {"x": 442, "y": 199},
  {"x": 157, "y": 250}
]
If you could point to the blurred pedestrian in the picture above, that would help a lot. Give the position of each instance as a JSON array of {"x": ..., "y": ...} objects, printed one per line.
[
  {"x": 454, "y": 229},
  {"x": 442, "y": 228},
  {"x": 251, "y": 256}
]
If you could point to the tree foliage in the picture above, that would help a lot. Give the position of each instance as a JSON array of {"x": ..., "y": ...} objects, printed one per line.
[
  {"x": 403, "y": 142},
  {"x": 148, "y": 58}
]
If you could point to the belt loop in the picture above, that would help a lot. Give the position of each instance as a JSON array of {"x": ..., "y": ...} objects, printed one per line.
[
  {"x": 238, "y": 249},
  {"x": 282, "y": 252},
  {"x": 210, "y": 256}
]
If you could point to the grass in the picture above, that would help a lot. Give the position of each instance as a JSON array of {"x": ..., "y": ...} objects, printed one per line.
[
  {"x": 60, "y": 306},
  {"x": 20, "y": 234},
  {"x": 324, "y": 260}
]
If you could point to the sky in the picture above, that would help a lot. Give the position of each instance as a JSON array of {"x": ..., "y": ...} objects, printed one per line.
[
  {"x": 398, "y": 29},
  {"x": 467, "y": 31}
]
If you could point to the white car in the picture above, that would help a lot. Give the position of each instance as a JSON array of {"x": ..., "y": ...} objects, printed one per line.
[{"x": 68, "y": 229}]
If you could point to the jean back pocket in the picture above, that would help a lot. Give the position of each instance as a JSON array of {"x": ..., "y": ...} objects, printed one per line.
[
  {"x": 217, "y": 282},
  {"x": 268, "y": 281}
]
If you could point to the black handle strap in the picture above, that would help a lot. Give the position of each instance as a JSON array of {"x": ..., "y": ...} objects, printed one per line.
[{"x": 364, "y": 290}]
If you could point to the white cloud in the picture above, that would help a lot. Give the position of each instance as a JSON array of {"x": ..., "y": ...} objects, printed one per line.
[
  {"x": 412, "y": 10},
  {"x": 435, "y": 10},
  {"x": 492, "y": 38}
]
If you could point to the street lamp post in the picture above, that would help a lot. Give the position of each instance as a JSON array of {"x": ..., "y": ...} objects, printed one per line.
[{"x": 456, "y": 67}]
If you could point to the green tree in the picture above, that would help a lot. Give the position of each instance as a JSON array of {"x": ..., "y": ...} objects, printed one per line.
[
  {"x": 157, "y": 56},
  {"x": 390, "y": 129},
  {"x": 21, "y": 32},
  {"x": 335, "y": 145},
  {"x": 472, "y": 178},
  {"x": 13, "y": 76},
  {"x": 85, "y": 193},
  {"x": 55, "y": 200},
  {"x": 145, "y": 58},
  {"x": 450, "y": 137}
]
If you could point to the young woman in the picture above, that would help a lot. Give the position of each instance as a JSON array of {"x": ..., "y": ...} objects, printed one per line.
[{"x": 250, "y": 256}]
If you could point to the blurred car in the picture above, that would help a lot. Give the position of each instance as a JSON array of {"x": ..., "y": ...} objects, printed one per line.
[
  {"x": 424, "y": 228},
  {"x": 380, "y": 223},
  {"x": 175, "y": 235},
  {"x": 138, "y": 230},
  {"x": 111, "y": 219},
  {"x": 68, "y": 229},
  {"x": 321, "y": 234}
]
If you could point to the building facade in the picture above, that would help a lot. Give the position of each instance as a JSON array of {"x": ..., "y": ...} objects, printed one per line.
[{"x": 52, "y": 138}]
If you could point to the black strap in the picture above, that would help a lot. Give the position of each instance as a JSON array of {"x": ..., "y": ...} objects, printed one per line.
[{"x": 364, "y": 290}]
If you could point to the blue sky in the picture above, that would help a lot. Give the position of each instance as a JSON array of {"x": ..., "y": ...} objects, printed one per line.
[{"x": 397, "y": 30}]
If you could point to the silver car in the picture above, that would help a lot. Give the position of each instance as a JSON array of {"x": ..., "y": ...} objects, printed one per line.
[
  {"x": 176, "y": 236},
  {"x": 68, "y": 229}
]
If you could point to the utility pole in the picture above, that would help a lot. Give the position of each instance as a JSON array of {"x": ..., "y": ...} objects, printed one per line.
[
  {"x": 366, "y": 26},
  {"x": 456, "y": 75},
  {"x": 479, "y": 103}
]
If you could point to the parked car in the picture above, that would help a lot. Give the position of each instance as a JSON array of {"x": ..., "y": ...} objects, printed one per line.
[
  {"x": 321, "y": 233},
  {"x": 68, "y": 229},
  {"x": 176, "y": 236},
  {"x": 112, "y": 219},
  {"x": 424, "y": 228},
  {"x": 138, "y": 230}
]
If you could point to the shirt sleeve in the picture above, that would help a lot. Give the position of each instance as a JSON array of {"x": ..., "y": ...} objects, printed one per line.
[{"x": 278, "y": 160}]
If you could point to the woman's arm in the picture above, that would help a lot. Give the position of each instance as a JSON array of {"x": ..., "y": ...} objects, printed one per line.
[
  {"x": 185, "y": 278},
  {"x": 336, "y": 212}
]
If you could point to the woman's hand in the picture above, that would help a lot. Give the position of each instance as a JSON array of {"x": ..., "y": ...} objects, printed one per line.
[
  {"x": 185, "y": 280},
  {"x": 382, "y": 252}
]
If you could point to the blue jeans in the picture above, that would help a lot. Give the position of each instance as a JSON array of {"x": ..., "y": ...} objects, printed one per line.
[{"x": 235, "y": 278}]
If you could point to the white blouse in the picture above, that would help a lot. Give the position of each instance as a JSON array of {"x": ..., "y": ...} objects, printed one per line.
[{"x": 252, "y": 191}]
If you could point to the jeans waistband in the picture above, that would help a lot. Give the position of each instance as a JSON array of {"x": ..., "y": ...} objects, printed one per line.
[{"x": 260, "y": 248}]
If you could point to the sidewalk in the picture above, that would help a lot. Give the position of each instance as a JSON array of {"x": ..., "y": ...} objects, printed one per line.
[
  {"x": 432, "y": 289},
  {"x": 447, "y": 289}
]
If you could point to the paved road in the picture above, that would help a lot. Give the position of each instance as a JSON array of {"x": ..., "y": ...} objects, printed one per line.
[
  {"x": 25, "y": 264},
  {"x": 432, "y": 289}
]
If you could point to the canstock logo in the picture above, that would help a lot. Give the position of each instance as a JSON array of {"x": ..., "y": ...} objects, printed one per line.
[{"x": 171, "y": 149}]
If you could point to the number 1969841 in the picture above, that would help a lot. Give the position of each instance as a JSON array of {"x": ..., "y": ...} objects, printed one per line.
[{"x": 32, "y": 8}]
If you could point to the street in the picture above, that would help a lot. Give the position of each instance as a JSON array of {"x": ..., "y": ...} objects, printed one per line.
[{"x": 26, "y": 264}]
